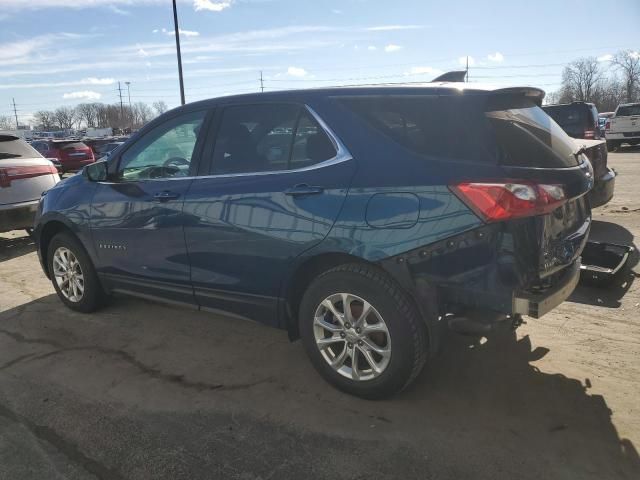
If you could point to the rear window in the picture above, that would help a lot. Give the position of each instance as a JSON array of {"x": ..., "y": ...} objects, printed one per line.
[
  {"x": 574, "y": 119},
  {"x": 628, "y": 110},
  {"x": 477, "y": 128},
  {"x": 70, "y": 145},
  {"x": 449, "y": 127},
  {"x": 530, "y": 137},
  {"x": 12, "y": 147}
]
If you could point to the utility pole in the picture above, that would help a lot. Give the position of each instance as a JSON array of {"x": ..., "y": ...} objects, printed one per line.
[
  {"x": 121, "y": 106},
  {"x": 177, "y": 31},
  {"x": 467, "y": 76},
  {"x": 261, "y": 82},
  {"x": 15, "y": 112},
  {"x": 130, "y": 109}
]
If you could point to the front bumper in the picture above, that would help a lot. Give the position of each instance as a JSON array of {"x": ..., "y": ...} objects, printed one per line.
[
  {"x": 603, "y": 188},
  {"x": 537, "y": 304},
  {"x": 18, "y": 216}
]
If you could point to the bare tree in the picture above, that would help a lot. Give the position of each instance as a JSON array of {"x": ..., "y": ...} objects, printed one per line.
[
  {"x": 580, "y": 79},
  {"x": 6, "y": 123},
  {"x": 628, "y": 62},
  {"x": 65, "y": 117},
  {"x": 87, "y": 113},
  {"x": 141, "y": 114},
  {"x": 160, "y": 107},
  {"x": 45, "y": 119}
]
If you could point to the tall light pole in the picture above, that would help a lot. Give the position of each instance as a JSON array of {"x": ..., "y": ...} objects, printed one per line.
[
  {"x": 130, "y": 109},
  {"x": 177, "y": 31}
]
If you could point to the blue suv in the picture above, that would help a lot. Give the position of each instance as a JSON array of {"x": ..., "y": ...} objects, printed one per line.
[{"x": 361, "y": 220}]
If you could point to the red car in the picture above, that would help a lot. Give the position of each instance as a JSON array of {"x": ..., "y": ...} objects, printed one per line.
[{"x": 72, "y": 154}]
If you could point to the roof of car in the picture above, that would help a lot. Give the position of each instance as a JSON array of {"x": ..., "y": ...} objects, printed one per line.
[{"x": 437, "y": 88}]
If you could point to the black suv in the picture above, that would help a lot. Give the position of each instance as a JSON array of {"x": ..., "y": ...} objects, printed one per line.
[{"x": 580, "y": 121}]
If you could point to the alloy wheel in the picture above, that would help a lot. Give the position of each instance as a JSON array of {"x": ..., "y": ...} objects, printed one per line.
[
  {"x": 352, "y": 336},
  {"x": 68, "y": 274}
]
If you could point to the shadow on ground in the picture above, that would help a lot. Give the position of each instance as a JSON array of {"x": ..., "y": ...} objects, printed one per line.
[
  {"x": 12, "y": 247},
  {"x": 482, "y": 409}
]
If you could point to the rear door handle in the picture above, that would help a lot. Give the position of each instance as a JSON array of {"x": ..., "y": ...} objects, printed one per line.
[
  {"x": 304, "y": 189},
  {"x": 165, "y": 196}
]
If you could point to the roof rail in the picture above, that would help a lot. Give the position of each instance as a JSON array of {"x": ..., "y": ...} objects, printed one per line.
[{"x": 453, "y": 76}]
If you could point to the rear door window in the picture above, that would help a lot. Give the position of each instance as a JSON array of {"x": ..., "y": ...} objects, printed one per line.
[
  {"x": 268, "y": 138},
  {"x": 13, "y": 147}
]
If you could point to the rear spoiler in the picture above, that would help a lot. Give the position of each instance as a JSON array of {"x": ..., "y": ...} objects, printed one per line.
[{"x": 533, "y": 93}]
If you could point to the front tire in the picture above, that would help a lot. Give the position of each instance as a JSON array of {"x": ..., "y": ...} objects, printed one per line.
[
  {"x": 72, "y": 273},
  {"x": 612, "y": 145},
  {"x": 361, "y": 331}
]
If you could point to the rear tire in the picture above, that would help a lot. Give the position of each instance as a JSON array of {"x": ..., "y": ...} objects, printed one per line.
[
  {"x": 389, "y": 344},
  {"x": 72, "y": 273},
  {"x": 611, "y": 145}
]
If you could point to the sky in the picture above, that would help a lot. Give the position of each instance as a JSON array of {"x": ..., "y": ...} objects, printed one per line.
[{"x": 64, "y": 52}]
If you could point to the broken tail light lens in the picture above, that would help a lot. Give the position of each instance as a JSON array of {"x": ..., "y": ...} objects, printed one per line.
[{"x": 496, "y": 202}]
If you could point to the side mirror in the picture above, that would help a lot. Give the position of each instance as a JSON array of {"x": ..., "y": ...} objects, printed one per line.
[{"x": 96, "y": 172}]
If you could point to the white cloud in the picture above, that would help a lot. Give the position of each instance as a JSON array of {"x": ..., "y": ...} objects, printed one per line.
[
  {"x": 212, "y": 6},
  {"x": 423, "y": 70},
  {"x": 496, "y": 57},
  {"x": 297, "y": 72},
  {"x": 634, "y": 54},
  {"x": 463, "y": 61},
  {"x": 605, "y": 58},
  {"x": 186, "y": 33},
  {"x": 142, "y": 52},
  {"x": 390, "y": 28},
  {"x": 372, "y": 48},
  {"x": 98, "y": 81},
  {"x": 336, "y": 11},
  {"x": 392, "y": 48},
  {"x": 84, "y": 95},
  {"x": 155, "y": 30},
  {"x": 118, "y": 10}
]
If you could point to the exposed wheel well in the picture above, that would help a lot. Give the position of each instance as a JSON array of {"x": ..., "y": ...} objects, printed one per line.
[
  {"x": 302, "y": 278},
  {"x": 50, "y": 230}
]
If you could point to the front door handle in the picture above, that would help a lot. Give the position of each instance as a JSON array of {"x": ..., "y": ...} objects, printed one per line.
[
  {"x": 165, "y": 196},
  {"x": 303, "y": 189}
]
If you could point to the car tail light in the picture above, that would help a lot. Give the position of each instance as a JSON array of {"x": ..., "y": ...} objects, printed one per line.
[
  {"x": 607, "y": 125},
  {"x": 495, "y": 202},
  {"x": 9, "y": 174},
  {"x": 589, "y": 134}
]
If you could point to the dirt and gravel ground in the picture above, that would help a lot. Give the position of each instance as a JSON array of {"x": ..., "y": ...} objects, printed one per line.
[{"x": 145, "y": 391}]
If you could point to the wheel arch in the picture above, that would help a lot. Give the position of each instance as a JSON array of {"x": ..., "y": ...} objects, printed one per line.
[
  {"x": 46, "y": 234},
  {"x": 313, "y": 266}
]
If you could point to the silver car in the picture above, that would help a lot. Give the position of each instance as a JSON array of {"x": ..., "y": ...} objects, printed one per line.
[{"x": 24, "y": 175}]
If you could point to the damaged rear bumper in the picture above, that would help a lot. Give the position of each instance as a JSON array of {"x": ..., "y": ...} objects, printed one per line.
[{"x": 537, "y": 304}]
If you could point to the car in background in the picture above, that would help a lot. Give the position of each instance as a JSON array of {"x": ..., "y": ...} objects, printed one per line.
[
  {"x": 103, "y": 151},
  {"x": 578, "y": 119},
  {"x": 355, "y": 218},
  {"x": 73, "y": 155},
  {"x": 624, "y": 126},
  {"x": 581, "y": 121},
  {"x": 24, "y": 176},
  {"x": 602, "y": 122}
]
